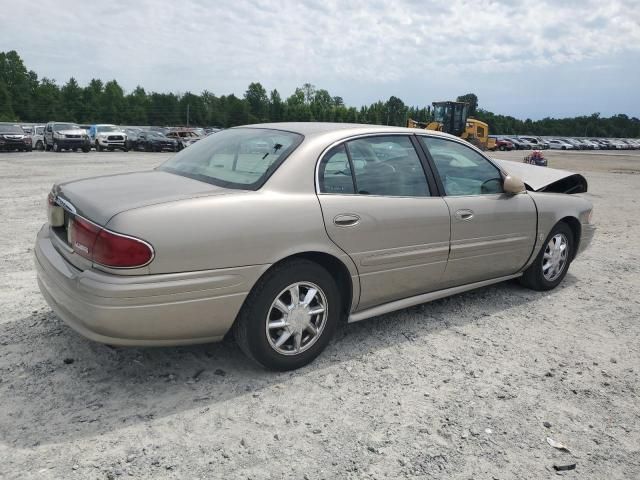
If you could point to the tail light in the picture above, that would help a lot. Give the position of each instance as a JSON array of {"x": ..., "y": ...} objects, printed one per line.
[
  {"x": 27, "y": 140},
  {"x": 107, "y": 248}
]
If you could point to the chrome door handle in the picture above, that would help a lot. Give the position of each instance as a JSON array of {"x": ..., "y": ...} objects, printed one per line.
[
  {"x": 346, "y": 220},
  {"x": 464, "y": 214}
]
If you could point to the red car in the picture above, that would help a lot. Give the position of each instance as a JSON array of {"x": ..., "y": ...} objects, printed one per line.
[{"x": 502, "y": 145}]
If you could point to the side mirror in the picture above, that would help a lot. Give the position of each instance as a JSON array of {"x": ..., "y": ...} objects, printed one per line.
[{"x": 513, "y": 185}]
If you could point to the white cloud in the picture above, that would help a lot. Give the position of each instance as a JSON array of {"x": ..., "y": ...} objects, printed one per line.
[{"x": 224, "y": 45}]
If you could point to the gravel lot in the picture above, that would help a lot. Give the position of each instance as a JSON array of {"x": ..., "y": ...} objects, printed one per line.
[{"x": 466, "y": 387}]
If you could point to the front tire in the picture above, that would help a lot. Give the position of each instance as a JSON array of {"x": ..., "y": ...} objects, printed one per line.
[
  {"x": 290, "y": 315},
  {"x": 552, "y": 263}
]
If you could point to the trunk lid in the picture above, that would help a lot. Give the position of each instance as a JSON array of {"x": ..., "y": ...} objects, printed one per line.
[{"x": 100, "y": 198}]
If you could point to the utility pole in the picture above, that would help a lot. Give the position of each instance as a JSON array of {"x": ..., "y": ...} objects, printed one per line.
[{"x": 188, "y": 115}]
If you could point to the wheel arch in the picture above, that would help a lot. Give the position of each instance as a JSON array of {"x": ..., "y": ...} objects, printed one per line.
[
  {"x": 346, "y": 278},
  {"x": 576, "y": 230}
]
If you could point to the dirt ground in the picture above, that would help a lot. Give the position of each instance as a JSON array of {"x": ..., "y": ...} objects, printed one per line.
[{"x": 465, "y": 387}]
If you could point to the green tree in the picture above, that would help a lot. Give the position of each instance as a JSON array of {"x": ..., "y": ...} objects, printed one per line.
[
  {"x": 257, "y": 102},
  {"x": 16, "y": 79},
  {"x": 137, "y": 106},
  {"x": 6, "y": 111},
  {"x": 91, "y": 101},
  {"x": 112, "y": 103},
  {"x": 71, "y": 97},
  {"x": 472, "y": 100}
]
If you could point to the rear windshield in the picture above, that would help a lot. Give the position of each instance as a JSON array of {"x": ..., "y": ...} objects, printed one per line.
[{"x": 242, "y": 158}]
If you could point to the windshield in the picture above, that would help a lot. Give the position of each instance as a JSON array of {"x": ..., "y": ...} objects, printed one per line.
[
  {"x": 155, "y": 134},
  {"x": 11, "y": 129},
  {"x": 64, "y": 126},
  {"x": 106, "y": 128},
  {"x": 242, "y": 158}
]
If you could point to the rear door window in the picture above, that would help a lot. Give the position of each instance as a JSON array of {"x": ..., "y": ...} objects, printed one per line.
[{"x": 387, "y": 165}]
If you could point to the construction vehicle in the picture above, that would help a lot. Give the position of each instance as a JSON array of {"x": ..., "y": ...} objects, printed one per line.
[{"x": 453, "y": 118}]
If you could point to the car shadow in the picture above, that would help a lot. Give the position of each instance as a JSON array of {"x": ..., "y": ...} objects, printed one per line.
[{"x": 80, "y": 388}]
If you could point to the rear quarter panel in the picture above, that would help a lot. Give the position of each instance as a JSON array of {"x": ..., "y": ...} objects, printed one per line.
[{"x": 226, "y": 231}]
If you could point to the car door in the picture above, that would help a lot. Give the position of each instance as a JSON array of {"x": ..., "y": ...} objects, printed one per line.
[
  {"x": 492, "y": 233},
  {"x": 380, "y": 207}
]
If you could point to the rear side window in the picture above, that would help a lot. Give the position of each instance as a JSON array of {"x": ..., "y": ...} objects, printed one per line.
[
  {"x": 387, "y": 165},
  {"x": 380, "y": 165},
  {"x": 335, "y": 172}
]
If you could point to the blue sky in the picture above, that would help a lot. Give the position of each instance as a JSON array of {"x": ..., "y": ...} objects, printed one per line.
[{"x": 527, "y": 58}]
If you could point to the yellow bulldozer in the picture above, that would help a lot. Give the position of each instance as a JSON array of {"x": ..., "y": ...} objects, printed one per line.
[{"x": 453, "y": 118}]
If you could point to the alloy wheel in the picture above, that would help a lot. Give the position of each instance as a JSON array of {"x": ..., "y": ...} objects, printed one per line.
[
  {"x": 296, "y": 318},
  {"x": 554, "y": 259}
]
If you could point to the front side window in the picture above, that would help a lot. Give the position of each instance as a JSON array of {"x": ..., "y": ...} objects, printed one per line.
[
  {"x": 462, "y": 170},
  {"x": 242, "y": 158},
  {"x": 387, "y": 165}
]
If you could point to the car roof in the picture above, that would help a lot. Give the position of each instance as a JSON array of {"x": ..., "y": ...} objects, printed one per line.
[{"x": 321, "y": 129}]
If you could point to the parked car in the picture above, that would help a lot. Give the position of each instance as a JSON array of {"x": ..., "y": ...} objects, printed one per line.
[
  {"x": 183, "y": 137},
  {"x": 520, "y": 143},
  {"x": 537, "y": 142},
  {"x": 108, "y": 137},
  {"x": 132, "y": 134},
  {"x": 37, "y": 137},
  {"x": 502, "y": 144},
  {"x": 12, "y": 138},
  {"x": 151, "y": 141},
  {"x": 325, "y": 222},
  {"x": 558, "y": 144},
  {"x": 634, "y": 144},
  {"x": 590, "y": 144},
  {"x": 60, "y": 136}
]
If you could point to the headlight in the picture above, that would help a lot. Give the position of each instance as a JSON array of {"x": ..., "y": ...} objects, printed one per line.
[
  {"x": 58, "y": 135},
  {"x": 590, "y": 216}
]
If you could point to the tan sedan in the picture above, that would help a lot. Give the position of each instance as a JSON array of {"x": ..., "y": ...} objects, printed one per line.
[{"x": 279, "y": 231}]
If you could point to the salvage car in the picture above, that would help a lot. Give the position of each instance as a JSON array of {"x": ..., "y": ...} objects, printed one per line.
[
  {"x": 60, "y": 136},
  {"x": 278, "y": 232},
  {"x": 151, "y": 141},
  {"x": 13, "y": 137},
  {"x": 183, "y": 137}
]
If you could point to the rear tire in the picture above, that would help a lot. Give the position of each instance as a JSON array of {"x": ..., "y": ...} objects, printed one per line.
[
  {"x": 39, "y": 145},
  {"x": 552, "y": 263},
  {"x": 259, "y": 341}
]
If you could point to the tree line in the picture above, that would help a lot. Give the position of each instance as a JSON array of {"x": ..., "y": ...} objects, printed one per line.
[{"x": 26, "y": 98}]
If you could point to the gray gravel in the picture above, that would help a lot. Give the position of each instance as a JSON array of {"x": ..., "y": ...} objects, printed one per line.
[{"x": 465, "y": 387}]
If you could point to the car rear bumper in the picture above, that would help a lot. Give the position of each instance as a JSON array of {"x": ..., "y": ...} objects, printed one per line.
[{"x": 144, "y": 310}]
